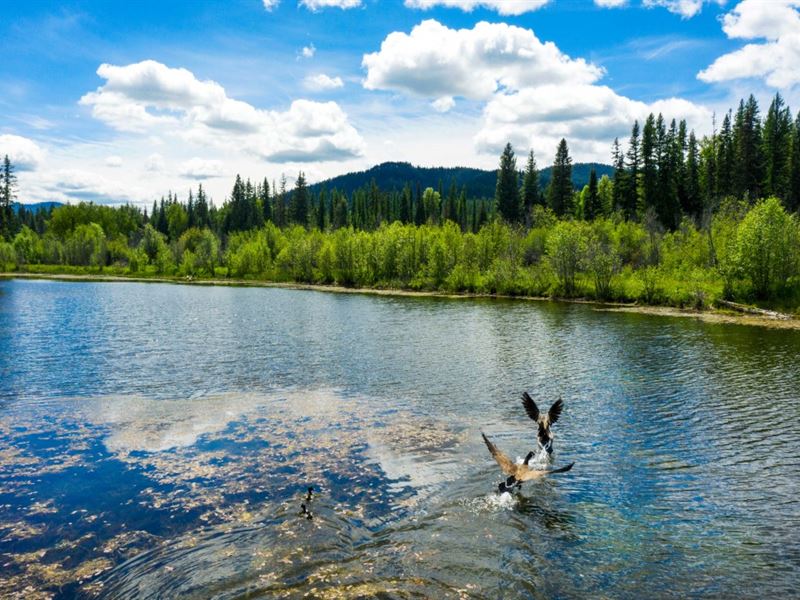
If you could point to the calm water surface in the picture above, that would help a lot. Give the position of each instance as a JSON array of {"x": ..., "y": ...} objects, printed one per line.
[{"x": 156, "y": 441}]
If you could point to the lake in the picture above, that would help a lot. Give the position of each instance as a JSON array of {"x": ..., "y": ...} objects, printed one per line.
[{"x": 156, "y": 441}]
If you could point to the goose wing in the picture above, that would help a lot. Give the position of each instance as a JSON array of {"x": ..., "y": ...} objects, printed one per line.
[
  {"x": 528, "y": 474},
  {"x": 530, "y": 406},
  {"x": 506, "y": 464},
  {"x": 555, "y": 411}
]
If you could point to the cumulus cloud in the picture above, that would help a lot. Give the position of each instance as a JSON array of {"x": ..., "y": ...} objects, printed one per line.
[
  {"x": 435, "y": 61},
  {"x": 271, "y": 4},
  {"x": 776, "y": 59},
  {"x": 534, "y": 94},
  {"x": 503, "y": 7},
  {"x": 24, "y": 154},
  {"x": 308, "y": 51},
  {"x": 149, "y": 96},
  {"x": 200, "y": 168},
  {"x": 610, "y": 3},
  {"x": 322, "y": 82},
  {"x": 685, "y": 8},
  {"x": 315, "y": 5},
  {"x": 114, "y": 161}
]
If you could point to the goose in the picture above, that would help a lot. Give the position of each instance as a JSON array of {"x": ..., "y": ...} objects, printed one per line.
[
  {"x": 517, "y": 473},
  {"x": 544, "y": 436},
  {"x": 304, "y": 512}
]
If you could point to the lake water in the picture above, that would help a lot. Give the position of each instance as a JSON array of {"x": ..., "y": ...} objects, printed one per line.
[{"x": 156, "y": 442}]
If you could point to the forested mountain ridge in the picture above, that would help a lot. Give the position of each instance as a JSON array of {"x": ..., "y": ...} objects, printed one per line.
[{"x": 480, "y": 183}]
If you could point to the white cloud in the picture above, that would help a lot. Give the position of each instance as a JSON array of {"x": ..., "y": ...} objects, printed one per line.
[
  {"x": 114, "y": 162},
  {"x": 315, "y": 5},
  {"x": 151, "y": 97},
  {"x": 322, "y": 82},
  {"x": 154, "y": 163},
  {"x": 776, "y": 59},
  {"x": 610, "y": 3},
  {"x": 24, "y": 154},
  {"x": 78, "y": 185},
  {"x": 435, "y": 61},
  {"x": 502, "y": 7},
  {"x": 534, "y": 94},
  {"x": 685, "y": 8},
  {"x": 308, "y": 51},
  {"x": 199, "y": 168},
  {"x": 271, "y": 4},
  {"x": 443, "y": 104}
]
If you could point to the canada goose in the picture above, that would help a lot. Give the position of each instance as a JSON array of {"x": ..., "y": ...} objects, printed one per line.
[
  {"x": 543, "y": 436},
  {"x": 308, "y": 493},
  {"x": 518, "y": 472},
  {"x": 304, "y": 512}
]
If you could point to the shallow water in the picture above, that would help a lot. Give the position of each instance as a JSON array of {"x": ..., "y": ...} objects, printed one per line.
[{"x": 156, "y": 441}]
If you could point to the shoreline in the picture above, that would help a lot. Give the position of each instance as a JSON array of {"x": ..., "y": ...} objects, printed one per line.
[{"x": 713, "y": 315}]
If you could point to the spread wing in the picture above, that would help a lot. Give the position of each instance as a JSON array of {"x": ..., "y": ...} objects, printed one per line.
[
  {"x": 530, "y": 406},
  {"x": 537, "y": 473},
  {"x": 506, "y": 465},
  {"x": 555, "y": 411}
]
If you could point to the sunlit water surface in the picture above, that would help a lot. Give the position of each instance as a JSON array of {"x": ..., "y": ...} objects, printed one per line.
[{"x": 156, "y": 442}]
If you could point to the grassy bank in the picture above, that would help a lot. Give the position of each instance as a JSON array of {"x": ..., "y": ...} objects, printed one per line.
[{"x": 708, "y": 314}]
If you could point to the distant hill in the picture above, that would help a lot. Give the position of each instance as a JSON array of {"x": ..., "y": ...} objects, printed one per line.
[
  {"x": 479, "y": 183},
  {"x": 36, "y": 206}
]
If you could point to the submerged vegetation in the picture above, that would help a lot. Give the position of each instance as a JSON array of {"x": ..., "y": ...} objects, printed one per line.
[{"x": 681, "y": 222}]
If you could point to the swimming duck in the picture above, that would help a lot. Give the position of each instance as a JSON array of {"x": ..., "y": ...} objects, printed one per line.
[
  {"x": 544, "y": 436},
  {"x": 518, "y": 472}
]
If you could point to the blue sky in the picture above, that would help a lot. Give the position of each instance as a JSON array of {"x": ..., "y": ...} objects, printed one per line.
[{"x": 116, "y": 102}]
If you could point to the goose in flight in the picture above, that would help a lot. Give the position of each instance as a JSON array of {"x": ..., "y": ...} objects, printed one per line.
[
  {"x": 517, "y": 473},
  {"x": 544, "y": 420}
]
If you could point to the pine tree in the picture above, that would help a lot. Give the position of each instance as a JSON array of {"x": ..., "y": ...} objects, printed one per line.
[
  {"x": 506, "y": 197},
  {"x": 322, "y": 209},
  {"x": 649, "y": 192},
  {"x": 748, "y": 150},
  {"x": 630, "y": 193},
  {"x": 530, "y": 187},
  {"x": 559, "y": 193},
  {"x": 777, "y": 149},
  {"x": 591, "y": 204},
  {"x": 299, "y": 202},
  {"x": 724, "y": 182},
  {"x": 693, "y": 205},
  {"x": 794, "y": 178},
  {"x": 618, "y": 159}
]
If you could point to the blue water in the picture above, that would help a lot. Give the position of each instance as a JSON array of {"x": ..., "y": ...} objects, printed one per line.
[{"x": 156, "y": 441}]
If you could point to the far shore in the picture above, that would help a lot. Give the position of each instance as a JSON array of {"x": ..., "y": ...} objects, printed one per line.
[{"x": 714, "y": 315}]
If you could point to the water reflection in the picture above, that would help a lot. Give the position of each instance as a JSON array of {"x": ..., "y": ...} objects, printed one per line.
[{"x": 156, "y": 441}]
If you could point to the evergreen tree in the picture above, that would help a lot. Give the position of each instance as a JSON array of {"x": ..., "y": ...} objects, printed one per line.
[
  {"x": 693, "y": 205},
  {"x": 560, "y": 190},
  {"x": 649, "y": 192},
  {"x": 591, "y": 202},
  {"x": 507, "y": 200},
  {"x": 405, "y": 204},
  {"x": 794, "y": 178},
  {"x": 530, "y": 187},
  {"x": 618, "y": 158},
  {"x": 724, "y": 180},
  {"x": 748, "y": 150},
  {"x": 299, "y": 202},
  {"x": 322, "y": 209},
  {"x": 777, "y": 149},
  {"x": 630, "y": 193},
  {"x": 462, "y": 209},
  {"x": 201, "y": 208}
]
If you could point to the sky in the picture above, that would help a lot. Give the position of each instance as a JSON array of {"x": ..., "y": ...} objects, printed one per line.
[{"x": 116, "y": 102}]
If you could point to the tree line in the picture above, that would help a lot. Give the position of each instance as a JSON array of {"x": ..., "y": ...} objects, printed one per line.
[{"x": 679, "y": 221}]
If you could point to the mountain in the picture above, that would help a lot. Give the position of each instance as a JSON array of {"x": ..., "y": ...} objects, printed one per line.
[
  {"x": 36, "y": 206},
  {"x": 479, "y": 183}
]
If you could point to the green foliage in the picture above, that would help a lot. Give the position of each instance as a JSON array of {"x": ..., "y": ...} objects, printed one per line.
[
  {"x": 768, "y": 241},
  {"x": 566, "y": 248}
]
